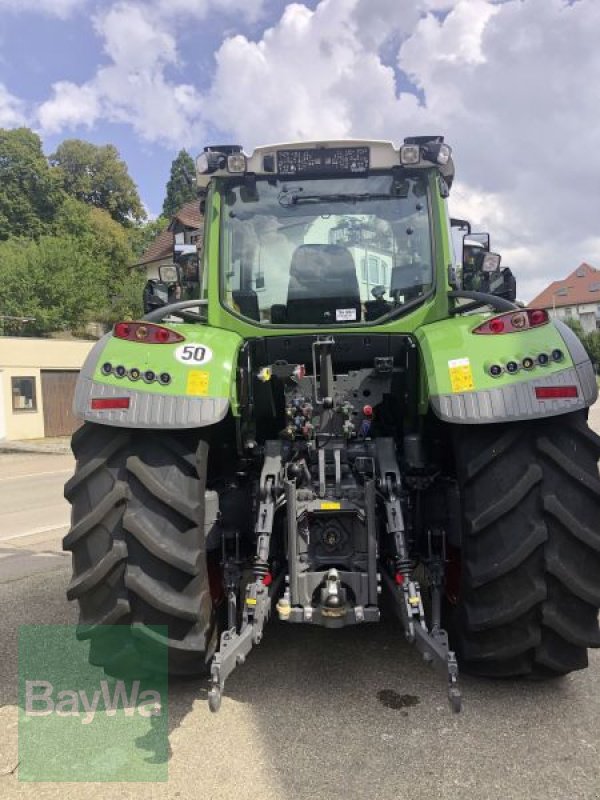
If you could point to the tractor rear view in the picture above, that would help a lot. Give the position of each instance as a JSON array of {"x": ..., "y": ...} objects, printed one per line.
[{"x": 336, "y": 418}]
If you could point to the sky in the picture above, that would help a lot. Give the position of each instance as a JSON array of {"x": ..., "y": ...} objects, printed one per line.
[{"x": 513, "y": 85}]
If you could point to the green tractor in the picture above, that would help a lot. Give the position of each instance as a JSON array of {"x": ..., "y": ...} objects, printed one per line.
[{"x": 337, "y": 420}]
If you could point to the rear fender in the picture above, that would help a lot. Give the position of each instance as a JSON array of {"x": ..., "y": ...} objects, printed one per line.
[
  {"x": 200, "y": 390},
  {"x": 460, "y": 388}
]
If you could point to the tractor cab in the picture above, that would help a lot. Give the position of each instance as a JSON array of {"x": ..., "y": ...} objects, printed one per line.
[{"x": 308, "y": 232}]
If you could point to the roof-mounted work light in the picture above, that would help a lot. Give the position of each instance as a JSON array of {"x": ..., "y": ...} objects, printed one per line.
[
  {"x": 431, "y": 148},
  {"x": 222, "y": 156},
  {"x": 410, "y": 154},
  {"x": 439, "y": 152},
  {"x": 209, "y": 162},
  {"x": 236, "y": 162}
]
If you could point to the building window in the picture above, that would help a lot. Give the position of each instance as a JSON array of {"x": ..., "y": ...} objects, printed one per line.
[
  {"x": 23, "y": 394},
  {"x": 373, "y": 271}
]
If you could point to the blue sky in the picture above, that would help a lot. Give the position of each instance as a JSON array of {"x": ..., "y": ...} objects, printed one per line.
[{"x": 511, "y": 84}]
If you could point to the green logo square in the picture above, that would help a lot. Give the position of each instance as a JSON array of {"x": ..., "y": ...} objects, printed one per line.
[{"x": 76, "y": 723}]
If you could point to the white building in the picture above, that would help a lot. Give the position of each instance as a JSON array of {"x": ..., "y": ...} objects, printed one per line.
[{"x": 577, "y": 297}]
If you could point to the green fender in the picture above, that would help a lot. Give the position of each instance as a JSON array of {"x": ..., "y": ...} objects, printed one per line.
[
  {"x": 198, "y": 384},
  {"x": 459, "y": 387}
]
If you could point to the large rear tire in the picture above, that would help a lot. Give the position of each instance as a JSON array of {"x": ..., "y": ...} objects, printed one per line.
[
  {"x": 137, "y": 542},
  {"x": 530, "y": 556}
]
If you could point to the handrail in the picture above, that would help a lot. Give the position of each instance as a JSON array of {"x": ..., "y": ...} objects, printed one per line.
[
  {"x": 480, "y": 299},
  {"x": 172, "y": 308}
]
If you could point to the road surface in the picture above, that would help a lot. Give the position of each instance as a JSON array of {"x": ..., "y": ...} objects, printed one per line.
[{"x": 349, "y": 714}]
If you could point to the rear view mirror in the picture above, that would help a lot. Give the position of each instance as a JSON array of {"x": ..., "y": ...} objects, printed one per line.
[{"x": 479, "y": 241}]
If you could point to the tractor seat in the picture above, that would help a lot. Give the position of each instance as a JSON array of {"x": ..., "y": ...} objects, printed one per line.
[{"x": 323, "y": 287}]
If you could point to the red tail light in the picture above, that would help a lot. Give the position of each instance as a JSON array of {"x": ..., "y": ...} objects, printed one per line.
[
  {"x": 107, "y": 403},
  {"x": 146, "y": 332},
  {"x": 555, "y": 392},
  {"x": 514, "y": 321}
]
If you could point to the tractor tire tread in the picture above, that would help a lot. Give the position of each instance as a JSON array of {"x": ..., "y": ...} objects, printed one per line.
[{"x": 530, "y": 555}]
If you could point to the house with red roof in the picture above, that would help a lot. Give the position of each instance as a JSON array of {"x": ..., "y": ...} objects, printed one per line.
[
  {"x": 576, "y": 297},
  {"x": 180, "y": 243}
]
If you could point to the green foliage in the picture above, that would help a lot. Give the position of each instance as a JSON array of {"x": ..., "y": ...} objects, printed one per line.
[
  {"x": 592, "y": 345},
  {"x": 591, "y": 341},
  {"x": 126, "y": 297},
  {"x": 180, "y": 187},
  {"x": 80, "y": 275},
  {"x": 576, "y": 327},
  {"x": 30, "y": 195},
  {"x": 69, "y": 232},
  {"x": 97, "y": 176},
  {"x": 142, "y": 235},
  {"x": 110, "y": 245},
  {"x": 53, "y": 280}
]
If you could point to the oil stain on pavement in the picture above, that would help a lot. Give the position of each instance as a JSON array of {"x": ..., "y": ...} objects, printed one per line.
[{"x": 391, "y": 699}]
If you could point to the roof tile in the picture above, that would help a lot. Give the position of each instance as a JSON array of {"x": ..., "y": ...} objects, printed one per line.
[
  {"x": 578, "y": 286},
  {"x": 189, "y": 215},
  {"x": 161, "y": 247}
]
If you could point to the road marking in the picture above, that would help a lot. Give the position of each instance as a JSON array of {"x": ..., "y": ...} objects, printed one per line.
[
  {"x": 47, "y": 529},
  {"x": 37, "y": 474}
]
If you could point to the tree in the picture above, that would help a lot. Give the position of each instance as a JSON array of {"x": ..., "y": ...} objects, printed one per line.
[
  {"x": 591, "y": 340},
  {"x": 30, "y": 195},
  {"x": 592, "y": 345},
  {"x": 142, "y": 235},
  {"x": 576, "y": 327},
  {"x": 97, "y": 176},
  {"x": 52, "y": 280},
  {"x": 111, "y": 246},
  {"x": 181, "y": 186}
]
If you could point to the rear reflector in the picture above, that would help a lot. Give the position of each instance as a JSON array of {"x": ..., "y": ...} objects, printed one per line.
[
  {"x": 555, "y": 392},
  {"x": 106, "y": 403}
]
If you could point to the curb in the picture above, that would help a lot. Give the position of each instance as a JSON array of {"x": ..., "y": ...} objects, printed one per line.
[{"x": 25, "y": 447}]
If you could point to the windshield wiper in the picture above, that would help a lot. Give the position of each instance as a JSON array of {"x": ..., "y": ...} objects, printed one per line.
[{"x": 287, "y": 199}]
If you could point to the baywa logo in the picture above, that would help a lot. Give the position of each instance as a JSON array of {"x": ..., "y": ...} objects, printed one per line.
[
  {"x": 76, "y": 723},
  {"x": 41, "y": 700}
]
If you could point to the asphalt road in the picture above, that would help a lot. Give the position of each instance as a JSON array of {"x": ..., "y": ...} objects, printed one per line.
[
  {"x": 350, "y": 714},
  {"x": 33, "y": 513}
]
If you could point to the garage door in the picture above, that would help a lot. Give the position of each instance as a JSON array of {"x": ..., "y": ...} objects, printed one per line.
[{"x": 58, "y": 387}]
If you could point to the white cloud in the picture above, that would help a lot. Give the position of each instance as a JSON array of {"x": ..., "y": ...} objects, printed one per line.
[
  {"x": 519, "y": 106},
  {"x": 58, "y": 8},
  {"x": 132, "y": 88},
  {"x": 512, "y": 85},
  {"x": 310, "y": 76},
  {"x": 12, "y": 109},
  {"x": 70, "y": 106},
  {"x": 183, "y": 10},
  {"x": 133, "y": 39}
]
